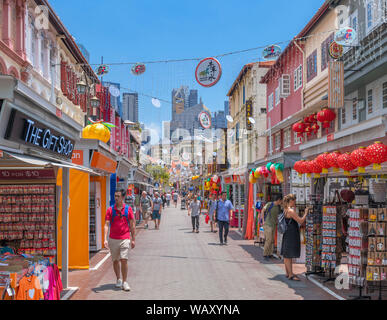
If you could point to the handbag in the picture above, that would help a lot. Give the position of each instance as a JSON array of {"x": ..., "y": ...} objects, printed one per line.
[
  {"x": 216, "y": 212},
  {"x": 282, "y": 224}
]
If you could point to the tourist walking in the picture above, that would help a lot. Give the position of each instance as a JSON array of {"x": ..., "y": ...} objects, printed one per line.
[
  {"x": 270, "y": 214},
  {"x": 194, "y": 210},
  {"x": 164, "y": 199},
  {"x": 291, "y": 242},
  {"x": 130, "y": 200},
  {"x": 156, "y": 210},
  {"x": 145, "y": 207},
  {"x": 168, "y": 198},
  {"x": 224, "y": 209},
  {"x": 175, "y": 196},
  {"x": 120, "y": 220}
]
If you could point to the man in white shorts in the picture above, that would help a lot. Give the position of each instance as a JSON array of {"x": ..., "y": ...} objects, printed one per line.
[{"x": 122, "y": 225}]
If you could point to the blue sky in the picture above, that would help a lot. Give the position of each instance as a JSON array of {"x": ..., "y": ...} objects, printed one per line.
[{"x": 148, "y": 30}]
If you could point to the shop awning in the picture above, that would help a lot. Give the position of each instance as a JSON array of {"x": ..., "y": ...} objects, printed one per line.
[{"x": 16, "y": 160}]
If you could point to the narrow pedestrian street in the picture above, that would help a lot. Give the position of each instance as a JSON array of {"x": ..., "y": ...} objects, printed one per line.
[{"x": 174, "y": 263}]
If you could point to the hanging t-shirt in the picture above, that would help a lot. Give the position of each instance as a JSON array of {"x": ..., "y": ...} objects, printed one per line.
[
  {"x": 58, "y": 283},
  {"x": 29, "y": 289},
  {"x": 49, "y": 294}
]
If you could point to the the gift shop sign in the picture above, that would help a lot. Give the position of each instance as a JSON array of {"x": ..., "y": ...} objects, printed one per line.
[{"x": 25, "y": 130}]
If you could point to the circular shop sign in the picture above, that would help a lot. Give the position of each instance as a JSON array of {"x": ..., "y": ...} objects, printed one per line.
[
  {"x": 208, "y": 72},
  {"x": 271, "y": 52},
  {"x": 102, "y": 70},
  {"x": 114, "y": 91},
  {"x": 205, "y": 120},
  {"x": 335, "y": 50},
  {"x": 138, "y": 69}
]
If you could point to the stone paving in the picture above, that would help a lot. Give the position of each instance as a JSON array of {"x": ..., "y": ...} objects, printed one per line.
[{"x": 175, "y": 264}]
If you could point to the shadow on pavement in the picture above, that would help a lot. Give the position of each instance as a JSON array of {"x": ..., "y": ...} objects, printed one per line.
[
  {"x": 257, "y": 253},
  {"x": 106, "y": 287}
]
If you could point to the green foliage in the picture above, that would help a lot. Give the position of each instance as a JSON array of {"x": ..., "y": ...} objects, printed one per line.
[{"x": 158, "y": 172}]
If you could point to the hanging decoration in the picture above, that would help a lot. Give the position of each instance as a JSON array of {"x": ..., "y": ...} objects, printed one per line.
[
  {"x": 345, "y": 36},
  {"x": 156, "y": 102},
  {"x": 299, "y": 128},
  {"x": 102, "y": 70},
  {"x": 97, "y": 130},
  {"x": 359, "y": 159},
  {"x": 279, "y": 168},
  {"x": 271, "y": 52},
  {"x": 307, "y": 168},
  {"x": 114, "y": 91},
  {"x": 298, "y": 167},
  {"x": 326, "y": 116},
  {"x": 208, "y": 72},
  {"x": 138, "y": 69},
  {"x": 315, "y": 168},
  {"x": 257, "y": 173},
  {"x": 332, "y": 160},
  {"x": 252, "y": 179},
  {"x": 377, "y": 154},
  {"x": 322, "y": 161},
  {"x": 205, "y": 119},
  {"x": 344, "y": 162}
]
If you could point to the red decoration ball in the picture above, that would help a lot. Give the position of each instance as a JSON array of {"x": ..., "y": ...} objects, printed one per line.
[
  {"x": 315, "y": 167},
  {"x": 376, "y": 153},
  {"x": 332, "y": 159},
  {"x": 344, "y": 162},
  {"x": 322, "y": 160},
  {"x": 359, "y": 158}
]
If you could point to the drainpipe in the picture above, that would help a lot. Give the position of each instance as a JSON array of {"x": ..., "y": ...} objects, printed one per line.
[{"x": 303, "y": 73}]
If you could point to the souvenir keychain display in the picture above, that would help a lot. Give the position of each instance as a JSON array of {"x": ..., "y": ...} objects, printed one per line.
[
  {"x": 313, "y": 240},
  {"x": 28, "y": 218},
  {"x": 328, "y": 254}
]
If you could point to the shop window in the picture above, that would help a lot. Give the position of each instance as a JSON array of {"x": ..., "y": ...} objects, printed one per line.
[
  {"x": 298, "y": 78},
  {"x": 369, "y": 102},
  {"x": 354, "y": 109},
  {"x": 325, "y": 58},
  {"x": 343, "y": 116},
  {"x": 297, "y": 139},
  {"x": 384, "y": 93},
  {"x": 312, "y": 66},
  {"x": 277, "y": 96},
  {"x": 270, "y": 102},
  {"x": 278, "y": 141},
  {"x": 287, "y": 138}
]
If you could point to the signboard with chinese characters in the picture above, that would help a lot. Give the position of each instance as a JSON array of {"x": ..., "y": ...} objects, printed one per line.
[
  {"x": 336, "y": 84},
  {"x": 208, "y": 72},
  {"x": 335, "y": 50},
  {"x": 37, "y": 174},
  {"x": 25, "y": 130},
  {"x": 249, "y": 114}
]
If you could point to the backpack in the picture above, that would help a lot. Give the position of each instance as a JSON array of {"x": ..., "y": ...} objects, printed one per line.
[
  {"x": 282, "y": 224},
  {"x": 114, "y": 213},
  {"x": 268, "y": 211}
]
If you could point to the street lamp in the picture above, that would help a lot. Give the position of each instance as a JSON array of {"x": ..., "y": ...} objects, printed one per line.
[{"x": 81, "y": 87}]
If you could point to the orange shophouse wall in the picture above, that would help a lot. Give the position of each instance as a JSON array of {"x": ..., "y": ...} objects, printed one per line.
[
  {"x": 104, "y": 204},
  {"x": 78, "y": 220}
]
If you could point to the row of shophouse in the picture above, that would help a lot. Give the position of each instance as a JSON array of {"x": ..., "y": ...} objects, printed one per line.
[
  {"x": 48, "y": 91},
  {"x": 300, "y": 83}
]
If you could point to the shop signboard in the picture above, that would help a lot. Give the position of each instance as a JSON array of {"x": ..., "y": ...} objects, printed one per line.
[
  {"x": 77, "y": 157},
  {"x": 205, "y": 120},
  {"x": 17, "y": 174},
  {"x": 249, "y": 114},
  {"x": 208, "y": 72},
  {"x": 102, "y": 162},
  {"x": 25, "y": 130},
  {"x": 336, "y": 84}
]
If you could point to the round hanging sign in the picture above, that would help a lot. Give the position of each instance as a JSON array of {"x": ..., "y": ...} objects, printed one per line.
[
  {"x": 345, "y": 36},
  {"x": 156, "y": 102},
  {"x": 102, "y": 70},
  {"x": 335, "y": 50},
  {"x": 114, "y": 91},
  {"x": 208, "y": 72},
  {"x": 205, "y": 120},
  {"x": 271, "y": 52},
  {"x": 138, "y": 69}
]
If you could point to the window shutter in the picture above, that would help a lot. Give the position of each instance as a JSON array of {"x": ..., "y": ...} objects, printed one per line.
[
  {"x": 285, "y": 86},
  {"x": 63, "y": 77}
]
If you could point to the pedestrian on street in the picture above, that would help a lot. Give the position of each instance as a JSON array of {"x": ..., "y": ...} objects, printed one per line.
[
  {"x": 122, "y": 225},
  {"x": 270, "y": 214},
  {"x": 130, "y": 200},
  {"x": 145, "y": 207},
  {"x": 164, "y": 199},
  {"x": 291, "y": 242},
  {"x": 224, "y": 209},
  {"x": 168, "y": 198},
  {"x": 175, "y": 198},
  {"x": 156, "y": 210},
  {"x": 211, "y": 211},
  {"x": 194, "y": 210}
]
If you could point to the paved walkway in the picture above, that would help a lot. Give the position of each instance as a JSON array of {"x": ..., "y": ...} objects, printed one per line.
[{"x": 174, "y": 263}]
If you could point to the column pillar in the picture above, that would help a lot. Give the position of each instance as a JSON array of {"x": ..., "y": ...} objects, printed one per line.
[
  {"x": 65, "y": 225},
  {"x": 20, "y": 30},
  {"x": 6, "y": 22}
]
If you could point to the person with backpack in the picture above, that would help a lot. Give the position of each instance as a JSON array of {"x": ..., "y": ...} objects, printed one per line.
[
  {"x": 194, "y": 210},
  {"x": 175, "y": 196},
  {"x": 289, "y": 223},
  {"x": 157, "y": 204},
  {"x": 270, "y": 214},
  {"x": 211, "y": 211},
  {"x": 120, "y": 219}
]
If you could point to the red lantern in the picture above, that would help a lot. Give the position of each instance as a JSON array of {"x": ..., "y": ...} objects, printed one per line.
[
  {"x": 322, "y": 160},
  {"x": 307, "y": 167},
  {"x": 376, "y": 154},
  {"x": 298, "y": 167},
  {"x": 315, "y": 127},
  {"x": 345, "y": 163},
  {"x": 359, "y": 159},
  {"x": 332, "y": 160},
  {"x": 313, "y": 118},
  {"x": 299, "y": 128},
  {"x": 326, "y": 116},
  {"x": 316, "y": 168},
  {"x": 308, "y": 129}
]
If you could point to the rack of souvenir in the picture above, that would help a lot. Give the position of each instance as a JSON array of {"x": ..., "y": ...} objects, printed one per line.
[
  {"x": 26, "y": 277},
  {"x": 376, "y": 272}
]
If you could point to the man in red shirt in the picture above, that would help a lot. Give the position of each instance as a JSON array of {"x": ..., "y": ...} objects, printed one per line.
[{"x": 119, "y": 238}]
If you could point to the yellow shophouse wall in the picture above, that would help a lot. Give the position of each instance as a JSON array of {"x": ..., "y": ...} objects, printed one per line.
[{"x": 78, "y": 220}]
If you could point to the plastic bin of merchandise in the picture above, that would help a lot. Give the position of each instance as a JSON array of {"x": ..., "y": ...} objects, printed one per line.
[{"x": 235, "y": 217}]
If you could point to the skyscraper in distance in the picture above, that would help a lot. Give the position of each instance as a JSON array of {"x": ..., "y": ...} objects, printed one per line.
[{"x": 130, "y": 106}]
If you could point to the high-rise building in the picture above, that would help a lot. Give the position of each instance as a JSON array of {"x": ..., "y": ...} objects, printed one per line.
[
  {"x": 130, "y": 106},
  {"x": 219, "y": 120},
  {"x": 166, "y": 129},
  {"x": 179, "y": 100},
  {"x": 226, "y": 108},
  {"x": 115, "y": 100},
  {"x": 193, "y": 98}
]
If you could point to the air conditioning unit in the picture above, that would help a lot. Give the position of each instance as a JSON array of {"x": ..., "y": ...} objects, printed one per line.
[{"x": 285, "y": 86}]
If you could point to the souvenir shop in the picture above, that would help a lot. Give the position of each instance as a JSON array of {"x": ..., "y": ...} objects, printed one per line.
[
  {"x": 35, "y": 146},
  {"x": 90, "y": 197},
  {"x": 347, "y": 225}
]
